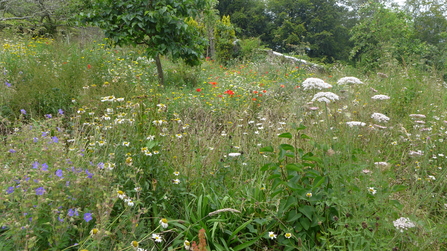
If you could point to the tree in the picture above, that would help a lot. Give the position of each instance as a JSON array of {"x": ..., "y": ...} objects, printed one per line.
[
  {"x": 385, "y": 36},
  {"x": 46, "y": 13},
  {"x": 164, "y": 26},
  {"x": 317, "y": 24}
]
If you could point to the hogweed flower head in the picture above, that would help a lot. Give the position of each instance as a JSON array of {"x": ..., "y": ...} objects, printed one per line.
[
  {"x": 379, "y": 117},
  {"x": 355, "y": 123},
  {"x": 349, "y": 80},
  {"x": 380, "y": 97},
  {"x": 403, "y": 224},
  {"x": 315, "y": 83},
  {"x": 326, "y": 97}
]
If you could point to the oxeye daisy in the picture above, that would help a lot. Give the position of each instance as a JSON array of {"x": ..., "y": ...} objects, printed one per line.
[
  {"x": 272, "y": 235},
  {"x": 157, "y": 238},
  {"x": 288, "y": 235},
  {"x": 164, "y": 223}
]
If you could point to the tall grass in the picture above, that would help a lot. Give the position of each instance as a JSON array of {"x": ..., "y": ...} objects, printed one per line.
[{"x": 94, "y": 149}]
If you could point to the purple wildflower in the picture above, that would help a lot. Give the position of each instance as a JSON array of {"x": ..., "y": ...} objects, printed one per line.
[
  {"x": 55, "y": 139},
  {"x": 88, "y": 217},
  {"x": 35, "y": 139},
  {"x": 40, "y": 191},
  {"x": 10, "y": 190},
  {"x": 7, "y": 84},
  {"x": 73, "y": 212},
  {"x": 61, "y": 112},
  {"x": 60, "y": 219},
  {"x": 23, "y": 111},
  {"x": 12, "y": 151},
  {"x": 89, "y": 174},
  {"x": 35, "y": 165},
  {"x": 44, "y": 134},
  {"x": 59, "y": 173},
  {"x": 44, "y": 167},
  {"x": 100, "y": 165},
  {"x": 48, "y": 116}
]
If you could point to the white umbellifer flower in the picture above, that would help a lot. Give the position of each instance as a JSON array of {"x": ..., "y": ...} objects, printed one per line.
[
  {"x": 380, "y": 97},
  {"x": 416, "y": 153},
  {"x": 380, "y": 117},
  {"x": 355, "y": 123},
  {"x": 325, "y": 97},
  {"x": 349, "y": 80},
  {"x": 234, "y": 154},
  {"x": 315, "y": 83},
  {"x": 403, "y": 224},
  {"x": 421, "y": 116}
]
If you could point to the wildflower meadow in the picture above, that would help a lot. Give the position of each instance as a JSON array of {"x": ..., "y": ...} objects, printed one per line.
[{"x": 254, "y": 154}]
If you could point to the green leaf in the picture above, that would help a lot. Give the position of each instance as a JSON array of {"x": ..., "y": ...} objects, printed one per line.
[
  {"x": 247, "y": 244},
  {"x": 304, "y": 136},
  {"x": 239, "y": 229},
  {"x": 294, "y": 167},
  {"x": 268, "y": 149},
  {"x": 318, "y": 181},
  {"x": 307, "y": 211},
  {"x": 305, "y": 223},
  {"x": 398, "y": 188},
  {"x": 287, "y": 147},
  {"x": 396, "y": 204},
  {"x": 287, "y": 135},
  {"x": 300, "y": 127}
]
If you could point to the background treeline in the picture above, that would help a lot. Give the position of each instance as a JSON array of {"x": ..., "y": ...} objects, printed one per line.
[{"x": 368, "y": 34}]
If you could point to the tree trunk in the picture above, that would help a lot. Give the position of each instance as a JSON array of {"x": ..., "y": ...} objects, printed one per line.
[{"x": 161, "y": 78}]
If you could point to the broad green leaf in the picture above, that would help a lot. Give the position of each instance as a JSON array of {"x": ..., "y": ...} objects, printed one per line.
[
  {"x": 305, "y": 223},
  {"x": 294, "y": 167},
  {"x": 307, "y": 211},
  {"x": 268, "y": 149},
  {"x": 287, "y": 135}
]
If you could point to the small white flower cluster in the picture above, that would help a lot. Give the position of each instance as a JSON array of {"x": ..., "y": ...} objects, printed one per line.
[
  {"x": 380, "y": 117},
  {"x": 126, "y": 199},
  {"x": 380, "y": 97},
  {"x": 349, "y": 80},
  {"x": 111, "y": 99},
  {"x": 355, "y": 123},
  {"x": 403, "y": 224},
  {"x": 315, "y": 83},
  {"x": 234, "y": 154},
  {"x": 416, "y": 153},
  {"x": 325, "y": 97}
]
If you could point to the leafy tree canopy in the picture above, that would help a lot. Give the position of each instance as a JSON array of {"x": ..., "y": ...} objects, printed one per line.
[{"x": 164, "y": 26}]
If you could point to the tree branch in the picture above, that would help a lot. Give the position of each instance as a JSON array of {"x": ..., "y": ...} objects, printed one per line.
[{"x": 14, "y": 18}]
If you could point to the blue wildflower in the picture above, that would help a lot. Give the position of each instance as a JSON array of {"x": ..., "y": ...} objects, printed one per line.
[
  {"x": 59, "y": 173},
  {"x": 40, "y": 191},
  {"x": 88, "y": 217},
  {"x": 44, "y": 167},
  {"x": 10, "y": 190},
  {"x": 23, "y": 111},
  {"x": 73, "y": 212}
]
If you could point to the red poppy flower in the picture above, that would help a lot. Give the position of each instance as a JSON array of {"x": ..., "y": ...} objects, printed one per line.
[
  {"x": 89, "y": 66},
  {"x": 213, "y": 83},
  {"x": 198, "y": 90},
  {"x": 229, "y": 92}
]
